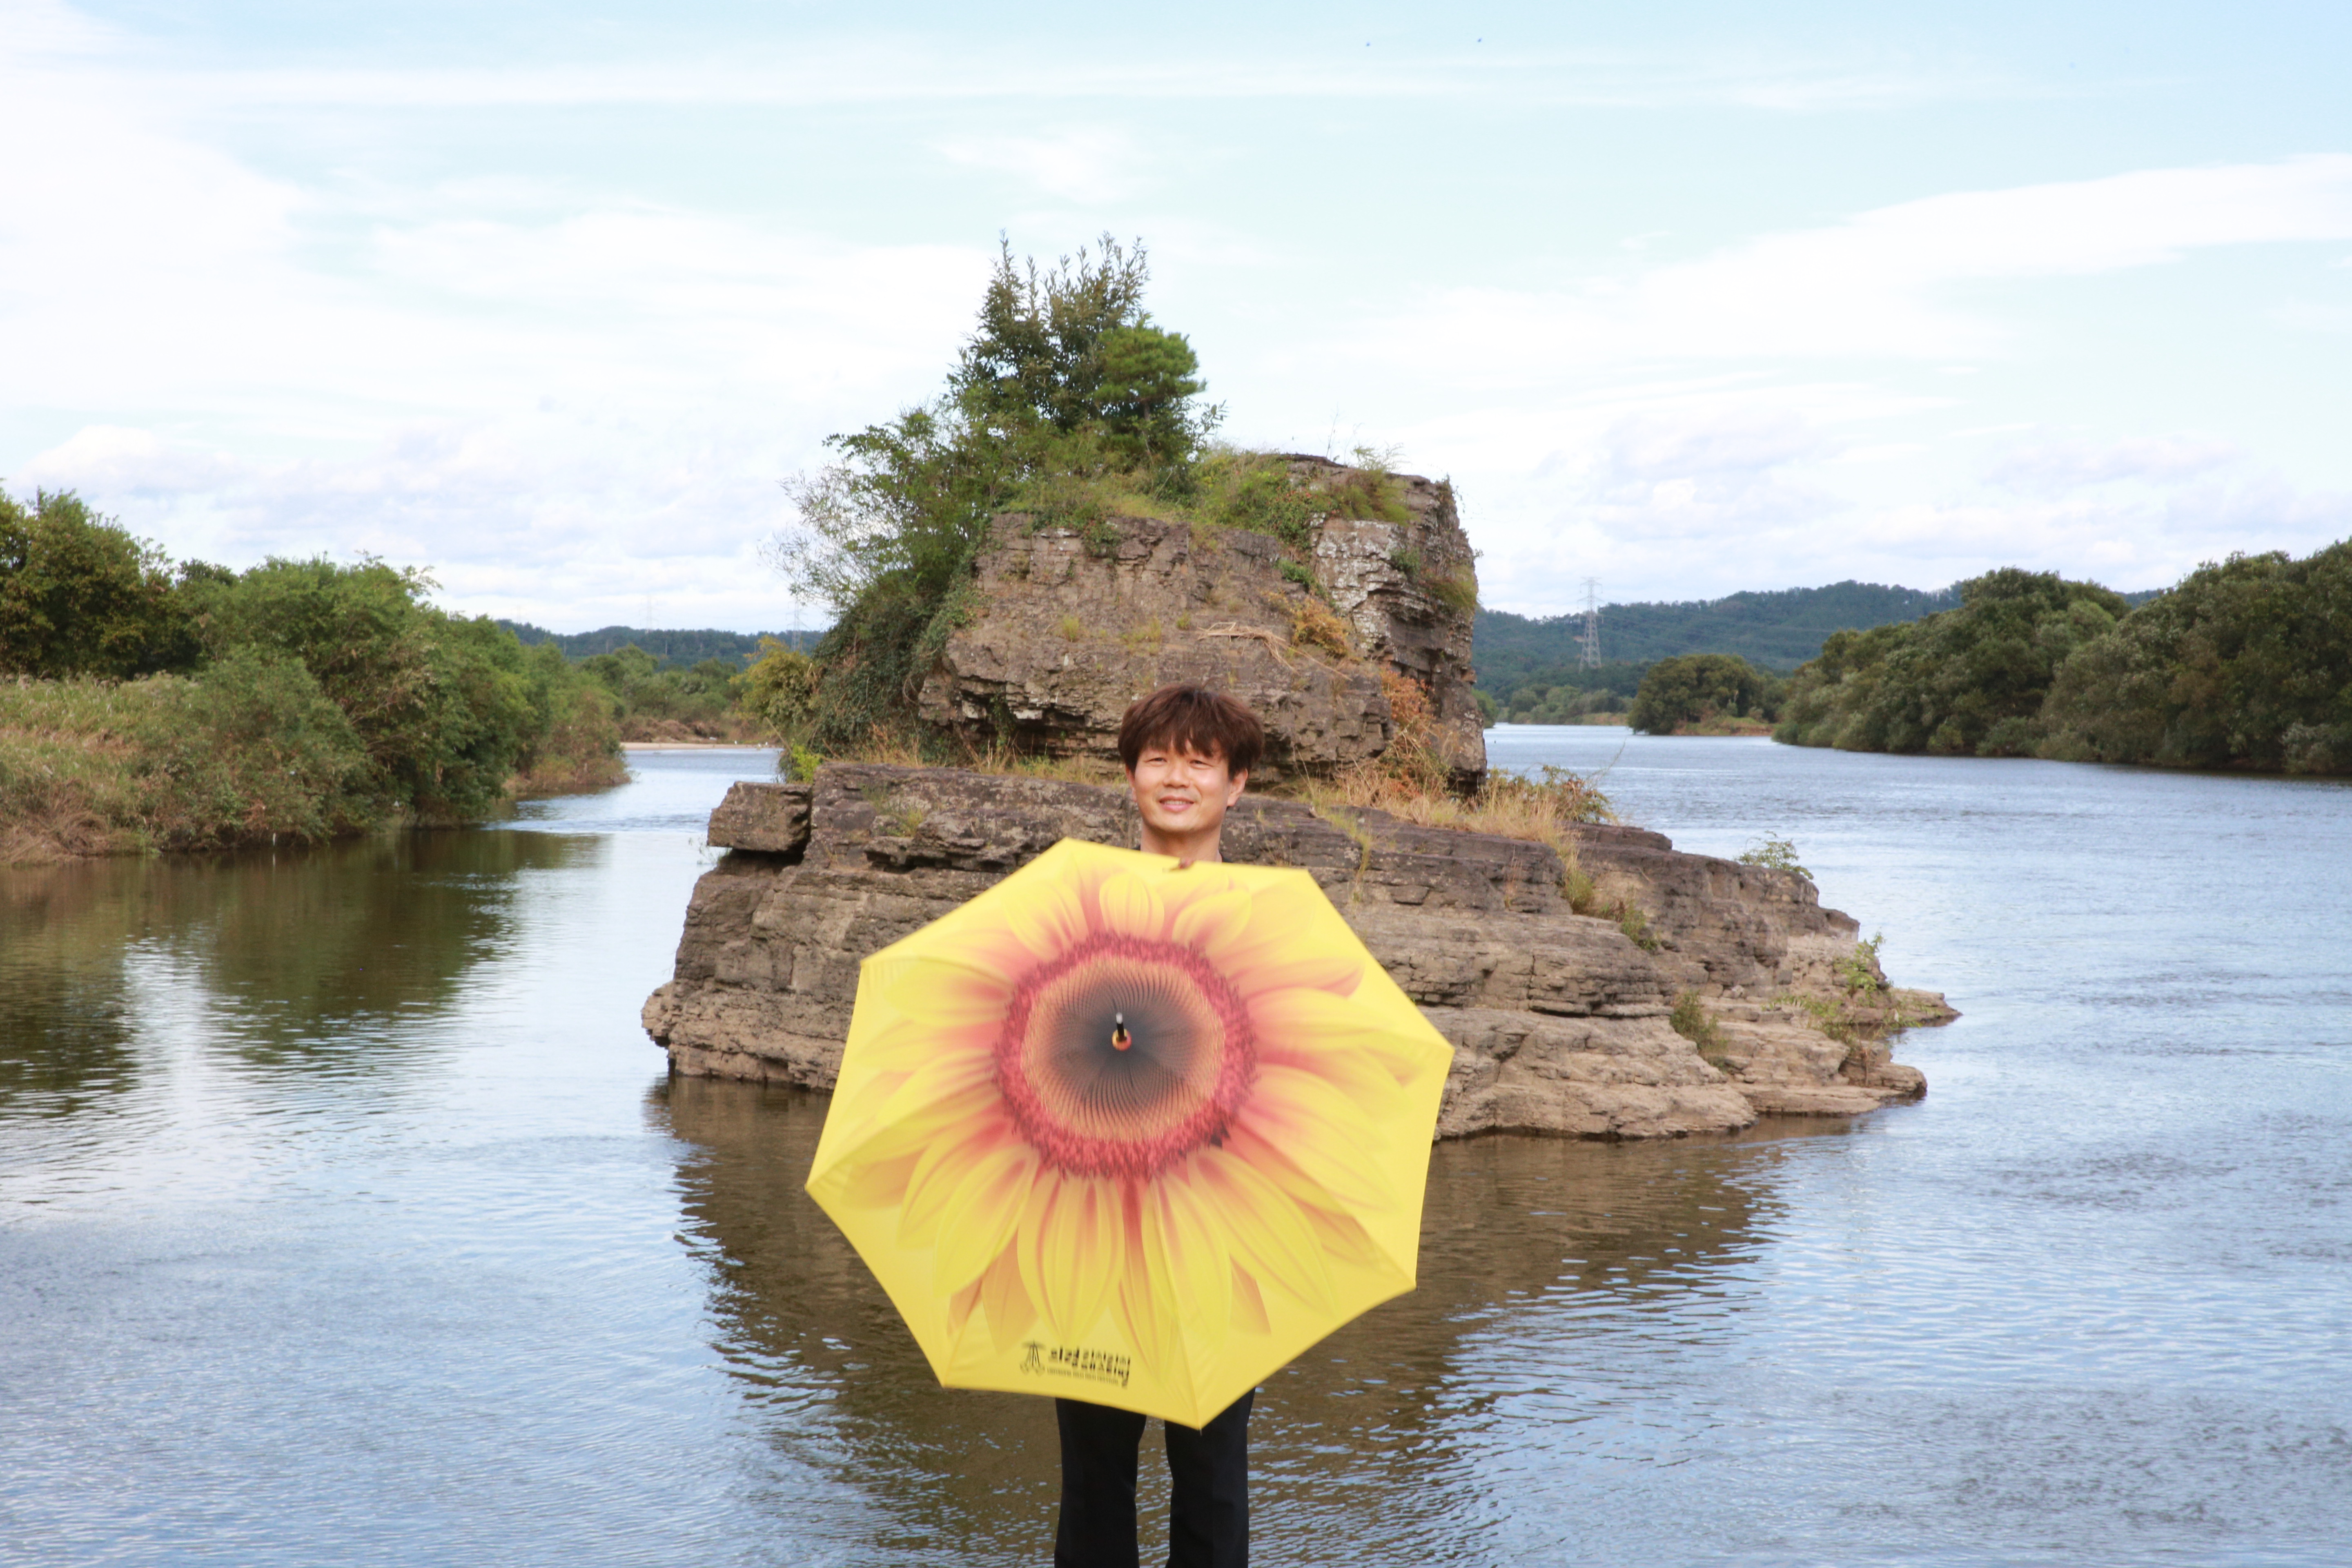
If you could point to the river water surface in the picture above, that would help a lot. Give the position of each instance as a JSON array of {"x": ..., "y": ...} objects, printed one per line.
[{"x": 347, "y": 1217}]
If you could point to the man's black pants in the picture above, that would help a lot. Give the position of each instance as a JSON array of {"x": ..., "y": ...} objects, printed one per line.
[{"x": 1208, "y": 1523}]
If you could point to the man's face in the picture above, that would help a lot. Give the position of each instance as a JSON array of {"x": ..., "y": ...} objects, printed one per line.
[{"x": 1183, "y": 792}]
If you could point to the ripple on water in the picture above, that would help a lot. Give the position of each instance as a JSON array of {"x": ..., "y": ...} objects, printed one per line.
[{"x": 345, "y": 1215}]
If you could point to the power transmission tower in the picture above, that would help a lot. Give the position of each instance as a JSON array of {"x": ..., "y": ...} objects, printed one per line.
[{"x": 1588, "y": 645}]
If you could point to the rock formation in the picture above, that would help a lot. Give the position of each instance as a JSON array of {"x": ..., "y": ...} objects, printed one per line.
[
  {"x": 1075, "y": 623},
  {"x": 1558, "y": 1020}
]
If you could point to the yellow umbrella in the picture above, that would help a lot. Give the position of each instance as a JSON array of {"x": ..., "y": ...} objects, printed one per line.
[{"x": 1130, "y": 1131}]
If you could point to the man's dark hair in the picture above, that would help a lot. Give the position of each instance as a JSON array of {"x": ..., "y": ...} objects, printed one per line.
[{"x": 1191, "y": 718}]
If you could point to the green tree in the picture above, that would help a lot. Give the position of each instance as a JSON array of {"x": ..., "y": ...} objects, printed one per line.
[
  {"x": 1072, "y": 349},
  {"x": 1064, "y": 386},
  {"x": 1967, "y": 681},
  {"x": 441, "y": 704},
  {"x": 80, "y": 595},
  {"x": 2247, "y": 663},
  {"x": 1695, "y": 688}
]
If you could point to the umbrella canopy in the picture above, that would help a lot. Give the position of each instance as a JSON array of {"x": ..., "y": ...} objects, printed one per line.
[{"x": 1132, "y": 1131}]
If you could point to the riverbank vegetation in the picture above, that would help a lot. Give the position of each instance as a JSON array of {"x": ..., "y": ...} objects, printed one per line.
[
  {"x": 2245, "y": 664},
  {"x": 148, "y": 706},
  {"x": 1705, "y": 694},
  {"x": 1571, "y": 694}
]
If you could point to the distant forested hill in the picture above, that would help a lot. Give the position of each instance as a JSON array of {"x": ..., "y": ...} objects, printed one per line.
[
  {"x": 1776, "y": 630},
  {"x": 672, "y": 647}
]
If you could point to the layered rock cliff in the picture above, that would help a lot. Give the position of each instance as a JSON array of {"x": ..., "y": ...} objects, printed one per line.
[
  {"x": 1073, "y": 625},
  {"x": 1558, "y": 1020}
]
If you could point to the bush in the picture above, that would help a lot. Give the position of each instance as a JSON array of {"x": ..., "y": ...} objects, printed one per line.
[
  {"x": 79, "y": 595},
  {"x": 1693, "y": 1022},
  {"x": 251, "y": 749},
  {"x": 777, "y": 690},
  {"x": 1698, "y": 687},
  {"x": 575, "y": 740},
  {"x": 1773, "y": 853},
  {"x": 441, "y": 704}
]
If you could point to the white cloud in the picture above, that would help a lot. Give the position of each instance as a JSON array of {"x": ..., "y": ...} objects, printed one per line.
[
  {"x": 2054, "y": 466},
  {"x": 568, "y": 397},
  {"x": 1880, "y": 285},
  {"x": 1079, "y": 166}
]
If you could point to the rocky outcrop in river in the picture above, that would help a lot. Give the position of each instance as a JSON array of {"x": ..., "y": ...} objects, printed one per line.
[
  {"x": 1558, "y": 1020},
  {"x": 1072, "y": 625}
]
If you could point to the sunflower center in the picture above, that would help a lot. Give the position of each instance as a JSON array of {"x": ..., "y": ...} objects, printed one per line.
[{"x": 1123, "y": 1054}]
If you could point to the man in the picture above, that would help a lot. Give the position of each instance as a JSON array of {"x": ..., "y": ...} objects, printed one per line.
[{"x": 1188, "y": 753}]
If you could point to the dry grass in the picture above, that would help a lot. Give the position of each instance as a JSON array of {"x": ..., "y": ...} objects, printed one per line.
[
  {"x": 1543, "y": 812},
  {"x": 1412, "y": 781},
  {"x": 67, "y": 781},
  {"x": 569, "y": 775},
  {"x": 1315, "y": 625}
]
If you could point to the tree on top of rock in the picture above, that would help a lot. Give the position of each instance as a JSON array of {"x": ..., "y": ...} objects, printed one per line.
[
  {"x": 1072, "y": 349},
  {"x": 1065, "y": 391}
]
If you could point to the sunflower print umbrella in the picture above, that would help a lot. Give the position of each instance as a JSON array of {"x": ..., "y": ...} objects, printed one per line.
[{"x": 1132, "y": 1131}]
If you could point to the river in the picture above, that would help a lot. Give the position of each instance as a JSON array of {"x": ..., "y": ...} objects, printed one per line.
[{"x": 347, "y": 1217}]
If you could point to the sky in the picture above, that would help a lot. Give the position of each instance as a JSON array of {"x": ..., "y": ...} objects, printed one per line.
[{"x": 1688, "y": 299}]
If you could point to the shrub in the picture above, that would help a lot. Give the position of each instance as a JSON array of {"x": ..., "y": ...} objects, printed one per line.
[
  {"x": 1693, "y": 1022},
  {"x": 1695, "y": 688},
  {"x": 1774, "y": 855},
  {"x": 1457, "y": 592},
  {"x": 251, "y": 749},
  {"x": 1254, "y": 492},
  {"x": 776, "y": 691},
  {"x": 79, "y": 595}
]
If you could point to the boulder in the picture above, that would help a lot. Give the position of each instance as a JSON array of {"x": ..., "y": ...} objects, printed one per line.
[
  {"x": 1558, "y": 1020},
  {"x": 1072, "y": 625}
]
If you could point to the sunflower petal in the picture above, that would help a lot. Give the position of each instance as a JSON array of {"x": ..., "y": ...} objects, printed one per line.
[
  {"x": 1047, "y": 921},
  {"x": 1249, "y": 1304},
  {"x": 1070, "y": 1251},
  {"x": 1344, "y": 1238},
  {"x": 1265, "y": 1228},
  {"x": 981, "y": 1217},
  {"x": 1321, "y": 1130},
  {"x": 1305, "y": 1019},
  {"x": 960, "y": 1306},
  {"x": 939, "y": 1175},
  {"x": 1202, "y": 921},
  {"x": 877, "y": 1185},
  {"x": 944, "y": 1080},
  {"x": 1199, "y": 1267},
  {"x": 1278, "y": 914},
  {"x": 943, "y": 995},
  {"x": 976, "y": 1112},
  {"x": 1131, "y": 908},
  {"x": 1010, "y": 1311},
  {"x": 1141, "y": 1308},
  {"x": 1362, "y": 1076}
]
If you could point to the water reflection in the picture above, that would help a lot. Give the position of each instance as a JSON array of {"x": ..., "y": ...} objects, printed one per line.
[
  {"x": 314, "y": 958},
  {"x": 65, "y": 1022},
  {"x": 1377, "y": 1431}
]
